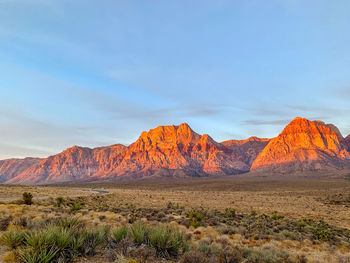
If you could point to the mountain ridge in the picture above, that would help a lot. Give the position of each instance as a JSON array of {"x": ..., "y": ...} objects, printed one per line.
[{"x": 178, "y": 151}]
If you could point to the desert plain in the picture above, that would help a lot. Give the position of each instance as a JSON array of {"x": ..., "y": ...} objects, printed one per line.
[{"x": 281, "y": 213}]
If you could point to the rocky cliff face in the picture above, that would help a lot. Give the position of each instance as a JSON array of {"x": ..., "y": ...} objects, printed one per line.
[
  {"x": 12, "y": 167},
  {"x": 304, "y": 145},
  {"x": 74, "y": 164},
  {"x": 248, "y": 149},
  {"x": 173, "y": 150},
  {"x": 179, "y": 148}
]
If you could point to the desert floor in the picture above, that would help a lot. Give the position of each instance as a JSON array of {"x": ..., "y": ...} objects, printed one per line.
[{"x": 295, "y": 197}]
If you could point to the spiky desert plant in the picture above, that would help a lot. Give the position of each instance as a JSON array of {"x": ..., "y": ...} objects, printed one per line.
[
  {"x": 167, "y": 241},
  {"x": 13, "y": 239},
  {"x": 44, "y": 255},
  {"x": 120, "y": 233},
  {"x": 139, "y": 232}
]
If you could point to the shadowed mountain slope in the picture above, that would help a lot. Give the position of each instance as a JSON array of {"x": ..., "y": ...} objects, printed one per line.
[{"x": 248, "y": 149}]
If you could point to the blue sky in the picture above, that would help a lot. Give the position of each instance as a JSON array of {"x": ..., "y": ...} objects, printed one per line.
[{"x": 93, "y": 73}]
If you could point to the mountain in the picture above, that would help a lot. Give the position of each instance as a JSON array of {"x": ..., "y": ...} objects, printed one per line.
[
  {"x": 74, "y": 164},
  {"x": 164, "y": 151},
  {"x": 178, "y": 151},
  {"x": 179, "y": 148},
  {"x": 304, "y": 145},
  {"x": 248, "y": 149},
  {"x": 12, "y": 167}
]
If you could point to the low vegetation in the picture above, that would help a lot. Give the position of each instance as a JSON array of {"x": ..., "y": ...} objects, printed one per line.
[{"x": 95, "y": 229}]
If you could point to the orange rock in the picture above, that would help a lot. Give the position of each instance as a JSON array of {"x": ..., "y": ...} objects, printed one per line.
[
  {"x": 163, "y": 151},
  {"x": 304, "y": 145},
  {"x": 12, "y": 167}
]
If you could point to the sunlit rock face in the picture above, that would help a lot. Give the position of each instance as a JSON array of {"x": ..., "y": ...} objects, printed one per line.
[
  {"x": 74, "y": 164},
  {"x": 248, "y": 149},
  {"x": 304, "y": 145},
  {"x": 12, "y": 167},
  {"x": 163, "y": 151},
  {"x": 178, "y": 151},
  {"x": 179, "y": 148}
]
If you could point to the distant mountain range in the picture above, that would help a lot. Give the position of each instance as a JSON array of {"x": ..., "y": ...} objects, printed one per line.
[{"x": 178, "y": 151}]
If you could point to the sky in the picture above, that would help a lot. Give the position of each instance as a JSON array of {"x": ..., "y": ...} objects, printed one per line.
[{"x": 93, "y": 73}]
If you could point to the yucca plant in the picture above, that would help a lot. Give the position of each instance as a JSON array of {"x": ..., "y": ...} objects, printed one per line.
[
  {"x": 92, "y": 239},
  {"x": 139, "y": 233},
  {"x": 167, "y": 241},
  {"x": 44, "y": 255},
  {"x": 39, "y": 239},
  {"x": 72, "y": 223},
  {"x": 119, "y": 234},
  {"x": 13, "y": 239}
]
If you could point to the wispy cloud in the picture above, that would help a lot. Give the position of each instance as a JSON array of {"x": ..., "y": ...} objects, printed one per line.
[{"x": 263, "y": 122}]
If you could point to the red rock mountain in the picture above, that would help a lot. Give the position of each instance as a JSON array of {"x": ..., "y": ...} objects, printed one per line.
[
  {"x": 248, "y": 149},
  {"x": 12, "y": 167},
  {"x": 74, "y": 164},
  {"x": 174, "y": 151},
  {"x": 304, "y": 145},
  {"x": 166, "y": 150}
]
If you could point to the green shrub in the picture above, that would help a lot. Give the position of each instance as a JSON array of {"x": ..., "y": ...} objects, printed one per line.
[
  {"x": 320, "y": 230},
  {"x": 276, "y": 216},
  {"x": 139, "y": 232},
  {"x": 167, "y": 241},
  {"x": 44, "y": 255},
  {"x": 119, "y": 234},
  {"x": 13, "y": 239},
  {"x": 230, "y": 212},
  {"x": 90, "y": 240},
  {"x": 76, "y": 207},
  {"x": 60, "y": 201},
  {"x": 264, "y": 256},
  {"x": 72, "y": 223},
  {"x": 288, "y": 234},
  {"x": 195, "y": 218},
  {"x": 27, "y": 198}
]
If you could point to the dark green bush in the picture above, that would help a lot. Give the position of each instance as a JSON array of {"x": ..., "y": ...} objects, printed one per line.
[
  {"x": 76, "y": 207},
  {"x": 276, "y": 216},
  {"x": 27, "y": 198},
  {"x": 195, "y": 218},
  {"x": 230, "y": 212}
]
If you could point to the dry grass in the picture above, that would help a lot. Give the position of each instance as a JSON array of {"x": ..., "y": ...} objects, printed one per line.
[{"x": 171, "y": 200}]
